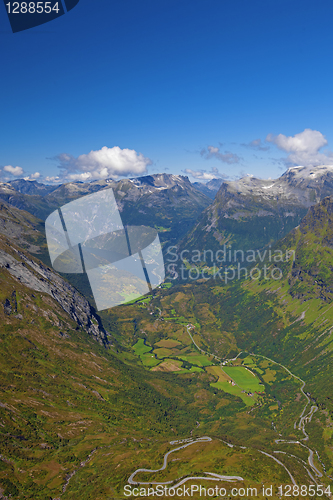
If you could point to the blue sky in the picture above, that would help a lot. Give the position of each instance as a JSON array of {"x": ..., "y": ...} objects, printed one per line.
[{"x": 125, "y": 87}]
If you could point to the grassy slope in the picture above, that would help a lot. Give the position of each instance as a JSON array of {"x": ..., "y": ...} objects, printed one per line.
[
  {"x": 69, "y": 405},
  {"x": 62, "y": 396}
]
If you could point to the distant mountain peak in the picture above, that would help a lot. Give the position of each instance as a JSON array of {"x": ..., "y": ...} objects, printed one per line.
[
  {"x": 160, "y": 180},
  {"x": 25, "y": 186},
  {"x": 301, "y": 172},
  {"x": 295, "y": 183},
  {"x": 209, "y": 188}
]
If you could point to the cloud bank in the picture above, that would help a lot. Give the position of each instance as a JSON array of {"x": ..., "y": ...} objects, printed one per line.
[
  {"x": 203, "y": 175},
  {"x": 105, "y": 163},
  {"x": 303, "y": 148},
  {"x": 101, "y": 164}
]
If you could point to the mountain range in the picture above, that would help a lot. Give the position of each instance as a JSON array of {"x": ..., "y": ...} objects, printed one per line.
[
  {"x": 251, "y": 213},
  {"x": 170, "y": 203}
]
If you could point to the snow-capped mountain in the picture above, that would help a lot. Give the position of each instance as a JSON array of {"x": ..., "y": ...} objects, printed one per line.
[{"x": 250, "y": 213}]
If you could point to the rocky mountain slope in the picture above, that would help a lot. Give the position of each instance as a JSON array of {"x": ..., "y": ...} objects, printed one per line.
[
  {"x": 251, "y": 213},
  {"x": 19, "y": 230},
  {"x": 21, "y": 227}
]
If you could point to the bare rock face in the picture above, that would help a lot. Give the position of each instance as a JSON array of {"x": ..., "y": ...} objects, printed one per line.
[
  {"x": 38, "y": 277},
  {"x": 20, "y": 234}
]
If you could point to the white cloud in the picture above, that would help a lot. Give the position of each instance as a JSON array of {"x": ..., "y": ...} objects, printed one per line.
[
  {"x": 55, "y": 179},
  {"x": 16, "y": 171},
  {"x": 102, "y": 164},
  {"x": 32, "y": 177},
  {"x": 303, "y": 148},
  {"x": 306, "y": 141},
  {"x": 214, "y": 152},
  {"x": 203, "y": 175},
  {"x": 82, "y": 177}
]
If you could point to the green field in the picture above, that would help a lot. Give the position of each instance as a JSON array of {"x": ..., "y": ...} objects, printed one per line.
[
  {"x": 166, "y": 285},
  {"x": 249, "y": 361},
  {"x": 169, "y": 343},
  {"x": 244, "y": 378},
  {"x": 144, "y": 351},
  {"x": 236, "y": 391},
  {"x": 179, "y": 319},
  {"x": 195, "y": 369},
  {"x": 141, "y": 348},
  {"x": 144, "y": 299},
  {"x": 163, "y": 352},
  {"x": 196, "y": 359},
  {"x": 246, "y": 382},
  {"x": 148, "y": 359}
]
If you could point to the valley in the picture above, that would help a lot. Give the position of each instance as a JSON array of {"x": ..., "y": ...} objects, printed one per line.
[
  {"x": 199, "y": 383},
  {"x": 237, "y": 376}
]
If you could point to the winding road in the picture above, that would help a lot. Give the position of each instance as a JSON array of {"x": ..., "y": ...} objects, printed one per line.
[
  {"x": 215, "y": 477},
  {"x": 303, "y": 419},
  {"x": 299, "y": 424}
]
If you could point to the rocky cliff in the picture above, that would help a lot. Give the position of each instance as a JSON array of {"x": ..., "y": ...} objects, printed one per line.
[
  {"x": 19, "y": 232},
  {"x": 36, "y": 276}
]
